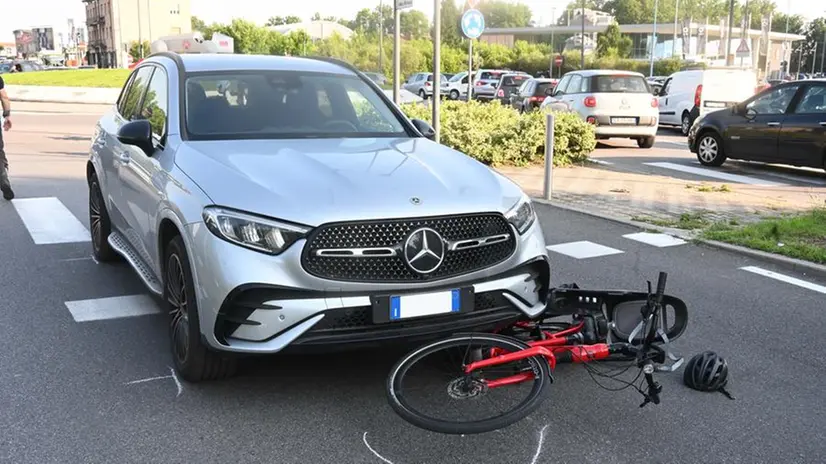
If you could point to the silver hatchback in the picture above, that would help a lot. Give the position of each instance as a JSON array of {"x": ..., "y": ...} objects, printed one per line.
[{"x": 283, "y": 202}]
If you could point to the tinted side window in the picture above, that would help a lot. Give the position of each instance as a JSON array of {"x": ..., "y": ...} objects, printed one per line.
[
  {"x": 575, "y": 84},
  {"x": 773, "y": 102},
  {"x": 155, "y": 103},
  {"x": 563, "y": 83},
  {"x": 813, "y": 101},
  {"x": 122, "y": 99},
  {"x": 132, "y": 99}
]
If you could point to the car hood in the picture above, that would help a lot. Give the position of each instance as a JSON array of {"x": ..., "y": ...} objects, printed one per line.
[{"x": 313, "y": 181}]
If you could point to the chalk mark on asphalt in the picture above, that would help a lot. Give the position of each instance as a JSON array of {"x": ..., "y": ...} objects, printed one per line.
[
  {"x": 539, "y": 445},
  {"x": 87, "y": 258},
  {"x": 364, "y": 439},
  {"x": 174, "y": 377}
]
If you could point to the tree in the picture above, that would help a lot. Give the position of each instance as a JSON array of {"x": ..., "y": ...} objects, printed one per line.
[
  {"x": 413, "y": 24},
  {"x": 137, "y": 52},
  {"x": 198, "y": 24},
  {"x": 281, "y": 20},
  {"x": 612, "y": 43},
  {"x": 316, "y": 17},
  {"x": 810, "y": 49},
  {"x": 451, "y": 32},
  {"x": 503, "y": 14},
  {"x": 781, "y": 21}
]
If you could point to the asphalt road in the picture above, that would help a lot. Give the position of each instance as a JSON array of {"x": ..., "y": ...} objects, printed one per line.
[{"x": 102, "y": 391}]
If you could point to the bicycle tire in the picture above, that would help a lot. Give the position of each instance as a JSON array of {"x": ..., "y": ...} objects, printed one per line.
[{"x": 522, "y": 410}]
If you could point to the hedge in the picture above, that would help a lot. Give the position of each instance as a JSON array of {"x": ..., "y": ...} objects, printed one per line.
[{"x": 498, "y": 135}]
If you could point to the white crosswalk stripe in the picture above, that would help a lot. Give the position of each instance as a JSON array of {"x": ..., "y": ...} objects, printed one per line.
[
  {"x": 49, "y": 221},
  {"x": 654, "y": 239},
  {"x": 584, "y": 249},
  {"x": 715, "y": 174},
  {"x": 112, "y": 308},
  {"x": 785, "y": 278}
]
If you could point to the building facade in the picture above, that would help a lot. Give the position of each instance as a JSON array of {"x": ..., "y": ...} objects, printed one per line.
[{"x": 114, "y": 25}]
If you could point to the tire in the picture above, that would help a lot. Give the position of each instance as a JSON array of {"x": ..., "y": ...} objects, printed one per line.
[
  {"x": 99, "y": 224},
  {"x": 422, "y": 95},
  {"x": 193, "y": 360},
  {"x": 685, "y": 123},
  {"x": 454, "y": 94},
  {"x": 710, "y": 149},
  {"x": 646, "y": 142},
  {"x": 538, "y": 364}
]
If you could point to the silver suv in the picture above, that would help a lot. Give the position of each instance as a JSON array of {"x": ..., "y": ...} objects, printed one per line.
[{"x": 283, "y": 202}]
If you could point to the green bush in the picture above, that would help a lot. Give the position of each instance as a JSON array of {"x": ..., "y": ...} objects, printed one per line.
[{"x": 498, "y": 135}]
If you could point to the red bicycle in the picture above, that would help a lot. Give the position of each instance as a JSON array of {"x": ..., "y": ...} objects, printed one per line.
[{"x": 478, "y": 366}]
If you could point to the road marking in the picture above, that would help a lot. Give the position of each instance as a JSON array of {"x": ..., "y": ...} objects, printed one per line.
[
  {"x": 583, "y": 249},
  {"x": 49, "y": 221},
  {"x": 657, "y": 240},
  {"x": 606, "y": 163},
  {"x": 172, "y": 376},
  {"x": 539, "y": 446},
  {"x": 785, "y": 278},
  {"x": 716, "y": 174},
  {"x": 112, "y": 308},
  {"x": 384, "y": 459}
]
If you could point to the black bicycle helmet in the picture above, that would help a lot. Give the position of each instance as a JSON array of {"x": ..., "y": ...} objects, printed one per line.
[{"x": 707, "y": 372}]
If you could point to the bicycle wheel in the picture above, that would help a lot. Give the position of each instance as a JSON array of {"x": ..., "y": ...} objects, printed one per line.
[{"x": 454, "y": 390}]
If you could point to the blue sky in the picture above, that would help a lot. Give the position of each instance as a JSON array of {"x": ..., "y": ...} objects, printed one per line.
[{"x": 55, "y": 13}]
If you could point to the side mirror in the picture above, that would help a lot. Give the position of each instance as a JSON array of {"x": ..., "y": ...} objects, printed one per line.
[
  {"x": 139, "y": 134},
  {"x": 549, "y": 92},
  {"x": 750, "y": 113},
  {"x": 425, "y": 128}
]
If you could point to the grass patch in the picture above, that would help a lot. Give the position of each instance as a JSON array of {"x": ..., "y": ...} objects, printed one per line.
[
  {"x": 687, "y": 221},
  {"x": 709, "y": 188},
  {"x": 801, "y": 236},
  {"x": 109, "y": 78}
]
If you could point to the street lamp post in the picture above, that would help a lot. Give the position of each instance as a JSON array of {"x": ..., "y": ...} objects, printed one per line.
[
  {"x": 654, "y": 42},
  {"x": 553, "y": 49},
  {"x": 674, "y": 41},
  {"x": 582, "y": 13},
  {"x": 381, "y": 34}
]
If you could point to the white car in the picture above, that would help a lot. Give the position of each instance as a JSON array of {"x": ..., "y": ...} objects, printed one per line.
[
  {"x": 687, "y": 95},
  {"x": 456, "y": 87},
  {"x": 618, "y": 103}
]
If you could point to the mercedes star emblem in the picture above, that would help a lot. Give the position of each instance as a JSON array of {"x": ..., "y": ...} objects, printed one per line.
[
  {"x": 424, "y": 250},
  {"x": 415, "y": 200}
]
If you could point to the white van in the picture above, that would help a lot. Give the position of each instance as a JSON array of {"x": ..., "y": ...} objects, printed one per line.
[{"x": 686, "y": 95}]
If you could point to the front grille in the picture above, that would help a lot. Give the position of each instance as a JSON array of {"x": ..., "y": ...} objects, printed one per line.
[{"x": 392, "y": 234}]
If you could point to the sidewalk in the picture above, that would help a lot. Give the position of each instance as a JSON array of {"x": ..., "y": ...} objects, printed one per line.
[{"x": 660, "y": 199}]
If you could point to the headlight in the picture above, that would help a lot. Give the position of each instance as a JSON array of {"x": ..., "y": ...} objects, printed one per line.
[
  {"x": 259, "y": 234},
  {"x": 522, "y": 215}
]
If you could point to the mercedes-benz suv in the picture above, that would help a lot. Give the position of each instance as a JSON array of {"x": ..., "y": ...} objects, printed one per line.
[{"x": 284, "y": 202}]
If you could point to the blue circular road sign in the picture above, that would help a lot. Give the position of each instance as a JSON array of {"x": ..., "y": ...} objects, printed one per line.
[{"x": 473, "y": 23}]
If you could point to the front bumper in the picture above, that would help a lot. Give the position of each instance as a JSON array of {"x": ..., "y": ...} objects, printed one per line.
[{"x": 249, "y": 302}]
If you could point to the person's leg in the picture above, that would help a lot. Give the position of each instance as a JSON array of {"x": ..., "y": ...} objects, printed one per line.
[{"x": 5, "y": 185}]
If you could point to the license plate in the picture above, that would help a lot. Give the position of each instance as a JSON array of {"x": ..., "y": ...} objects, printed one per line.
[
  {"x": 389, "y": 308},
  {"x": 623, "y": 120}
]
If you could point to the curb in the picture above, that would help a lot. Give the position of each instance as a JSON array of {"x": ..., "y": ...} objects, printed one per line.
[{"x": 804, "y": 267}]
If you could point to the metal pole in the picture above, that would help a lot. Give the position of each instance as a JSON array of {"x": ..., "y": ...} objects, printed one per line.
[
  {"x": 674, "y": 41},
  {"x": 730, "y": 61},
  {"x": 582, "y": 13},
  {"x": 396, "y": 54},
  {"x": 823, "y": 53},
  {"x": 814, "y": 58},
  {"x": 799, "y": 61},
  {"x": 654, "y": 42},
  {"x": 553, "y": 50},
  {"x": 549, "y": 154},
  {"x": 469, "y": 69},
  {"x": 437, "y": 68},
  {"x": 140, "y": 32},
  {"x": 381, "y": 34}
]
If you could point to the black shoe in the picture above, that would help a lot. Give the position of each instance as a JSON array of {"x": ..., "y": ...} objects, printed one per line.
[{"x": 8, "y": 193}]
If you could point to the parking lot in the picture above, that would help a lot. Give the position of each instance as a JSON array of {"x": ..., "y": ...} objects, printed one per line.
[{"x": 99, "y": 388}]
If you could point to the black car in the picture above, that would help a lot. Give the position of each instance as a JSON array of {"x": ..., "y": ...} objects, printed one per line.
[
  {"x": 784, "y": 124},
  {"x": 532, "y": 94},
  {"x": 509, "y": 84}
]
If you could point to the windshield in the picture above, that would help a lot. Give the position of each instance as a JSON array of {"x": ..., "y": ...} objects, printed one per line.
[
  {"x": 285, "y": 104},
  {"x": 619, "y": 84},
  {"x": 458, "y": 77}
]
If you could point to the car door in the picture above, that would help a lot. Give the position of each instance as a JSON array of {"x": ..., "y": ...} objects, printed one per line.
[
  {"x": 802, "y": 139},
  {"x": 753, "y": 135},
  {"x": 128, "y": 161},
  {"x": 668, "y": 114}
]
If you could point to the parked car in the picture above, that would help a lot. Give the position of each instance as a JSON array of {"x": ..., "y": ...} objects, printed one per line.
[
  {"x": 456, "y": 87},
  {"x": 378, "y": 78},
  {"x": 273, "y": 215},
  {"x": 485, "y": 82},
  {"x": 508, "y": 85},
  {"x": 532, "y": 93},
  {"x": 421, "y": 84},
  {"x": 618, "y": 103},
  {"x": 784, "y": 124},
  {"x": 686, "y": 95}
]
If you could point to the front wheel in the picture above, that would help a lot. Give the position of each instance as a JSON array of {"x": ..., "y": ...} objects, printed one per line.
[
  {"x": 99, "y": 225},
  {"x": 439, "y": 367},
  {"x": 454, "y": 94},
  {"x": 193, "y": 360},
  {"x": 710, "y": 150}
]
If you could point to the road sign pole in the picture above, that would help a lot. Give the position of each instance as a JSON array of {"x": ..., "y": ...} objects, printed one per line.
[
  {"x": 437, "y": 45},
  {"x": 396, "y": 54},
  {"x": 469, "y": 69},
  {"x": 473, "y": 23},
  {"x": 549, "y": 154}
]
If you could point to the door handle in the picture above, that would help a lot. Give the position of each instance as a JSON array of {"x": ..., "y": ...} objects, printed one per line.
[
  {"x": 123, "y": 157},
  {"x": 772, "y": 124},
  {"x": 823, "y": 123}
]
